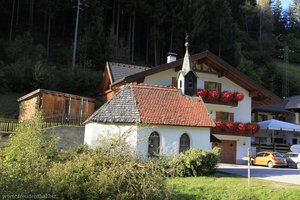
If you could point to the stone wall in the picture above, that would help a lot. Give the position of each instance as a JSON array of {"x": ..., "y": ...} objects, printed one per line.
[{"x": 68, "y": 136}]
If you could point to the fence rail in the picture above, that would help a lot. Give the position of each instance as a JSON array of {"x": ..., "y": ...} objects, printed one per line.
[
  {"x": 278, "y": 147},
  {"x": 10, "y": 125}
]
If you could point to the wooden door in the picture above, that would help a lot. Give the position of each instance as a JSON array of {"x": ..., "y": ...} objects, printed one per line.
[{"x": 228, "y": 151}]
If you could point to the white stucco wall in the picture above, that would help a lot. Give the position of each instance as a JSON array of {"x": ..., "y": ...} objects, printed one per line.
[
  {"x": 138, "y": 137},
  {"x": 242, "y": 113},
  {"x": 95, "y": 133},
  {"x": 242, "y": 145},
  {"x": 170, "y": 136}
]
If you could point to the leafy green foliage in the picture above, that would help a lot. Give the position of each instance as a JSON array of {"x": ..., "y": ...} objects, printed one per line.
[
  {"x": 194, "y": 162},
  {"x": 32, "y": 164},
  {"x": 26, "y": 158}
]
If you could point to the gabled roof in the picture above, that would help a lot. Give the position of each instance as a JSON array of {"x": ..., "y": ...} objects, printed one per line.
[
  {"x": 223, "y": 69},
  {"x": 39, "y": 91},
  {"x": 153, "y": 105},
  {"x": 119, "y": 70},
  {"x": 286, "y": 106}
]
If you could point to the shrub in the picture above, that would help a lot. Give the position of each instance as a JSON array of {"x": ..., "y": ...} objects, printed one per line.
[
  {"x": 195, "y": 162},
  {"x": 98, "y": 174},
  {"x": 26, "y": 158}
]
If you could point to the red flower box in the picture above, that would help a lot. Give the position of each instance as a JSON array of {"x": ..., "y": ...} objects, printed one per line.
[
  {"x": 239, "y": 127},
  {"x": 229, "y": 127},
  {"x": 213, "y": 95},
  {"x": 226, "y": 96},
  {"x": 253, "y": 128},
  {"x": 202, "y": 93},
  {"x": 238, "y": 96}
]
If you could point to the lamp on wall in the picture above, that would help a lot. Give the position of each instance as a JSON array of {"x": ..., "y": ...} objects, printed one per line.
[{"x": 244, "y": 143}]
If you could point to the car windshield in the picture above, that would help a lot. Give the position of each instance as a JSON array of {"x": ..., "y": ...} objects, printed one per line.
[{"x": 277, "y": 155}]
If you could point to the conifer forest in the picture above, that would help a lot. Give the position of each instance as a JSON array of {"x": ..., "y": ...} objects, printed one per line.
[{"x": 37, "y": 39}]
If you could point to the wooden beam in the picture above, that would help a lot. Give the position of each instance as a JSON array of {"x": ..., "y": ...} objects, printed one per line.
[{"x": 253, "y": 93}]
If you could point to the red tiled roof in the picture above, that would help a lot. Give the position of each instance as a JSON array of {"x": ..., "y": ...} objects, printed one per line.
[{"x": 162, "y": 105}]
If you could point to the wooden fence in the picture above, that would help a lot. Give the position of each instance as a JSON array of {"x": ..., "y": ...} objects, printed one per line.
[
  {"x": 278, "y": 147},
  {"x": 9, "y": 125}
]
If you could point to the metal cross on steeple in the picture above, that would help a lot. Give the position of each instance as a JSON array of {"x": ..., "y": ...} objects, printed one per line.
[{"x": 186, "y": 40}]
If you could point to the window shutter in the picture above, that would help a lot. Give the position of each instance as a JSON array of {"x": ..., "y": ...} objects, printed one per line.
[
  {"x": 219, "y": 87},
  {"x": 231, "y": 116},
  {"x": 218, "y": 116},
  {"x": 206, "y": 84}
]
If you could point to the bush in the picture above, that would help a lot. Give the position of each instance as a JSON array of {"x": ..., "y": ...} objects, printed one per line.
[
  {"x": 31, "y": 164},
  {"x": 195, "y": 162},
  {"x": 98, "y": 174}
]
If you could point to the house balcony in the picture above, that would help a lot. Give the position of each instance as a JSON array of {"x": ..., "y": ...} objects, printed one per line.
[
  {"x": 235, "y": 128},
  {"x": 226, "y": 98}
]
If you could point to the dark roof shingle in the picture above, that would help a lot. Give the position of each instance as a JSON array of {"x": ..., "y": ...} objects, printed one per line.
[{"x": 120, "y": 70}]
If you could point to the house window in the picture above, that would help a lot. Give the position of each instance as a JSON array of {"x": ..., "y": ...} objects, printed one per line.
[
  {"x": 180, "y": 84},
  {"x": 262, "y": 117},
  {"x": 295, "y": 141},
  {"x": 153, "y": 145},
  {"x": 213, "y": 86},
  {"x": 184, "y": 143},
  {"x": 224, "y": 116}
]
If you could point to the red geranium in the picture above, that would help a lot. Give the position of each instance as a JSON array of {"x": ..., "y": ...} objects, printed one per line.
[
  {"x": 219, "y": 126},
  {"x": 226, "y": 96},
  {"x": 253, "y": 128},
  {"x": 213, "y": 95},
  {"x": 238, "y": 96},
  {"x": 239, "y": 127},
  {"x": 202, "y": 93},
  {"x": 229, "y": 126}
]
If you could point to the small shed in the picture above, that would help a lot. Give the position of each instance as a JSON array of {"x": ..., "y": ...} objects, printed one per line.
[{"x": 55, "y": 105}]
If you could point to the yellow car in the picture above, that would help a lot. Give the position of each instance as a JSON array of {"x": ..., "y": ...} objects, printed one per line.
[{"x": 270, "y": 159}]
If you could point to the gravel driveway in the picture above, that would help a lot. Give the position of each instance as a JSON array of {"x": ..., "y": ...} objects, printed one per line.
[{"x": 287, "y": 175}]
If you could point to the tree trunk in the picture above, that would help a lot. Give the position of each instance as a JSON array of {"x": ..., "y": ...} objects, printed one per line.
[
  {"x": 220, "y": 38},
  {"x": 132, "y": 39},
  {"x": 129, "y": 39},
  {"x": 48, "y": 38},
  {"x": 172, "y": 35},
  {"x": 155, "y": 52},
  {"x": 18, "y": 12},
  {"x": 147, "y": 49},
  {"x": 114, "y": 18},
  {"x": 12, "y": 19},
  {"x": 31, "y": 12},
  {"x": 118, "y": 24}
]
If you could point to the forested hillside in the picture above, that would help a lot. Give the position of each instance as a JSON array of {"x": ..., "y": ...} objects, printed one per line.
[{"x": 36, "y": 38}]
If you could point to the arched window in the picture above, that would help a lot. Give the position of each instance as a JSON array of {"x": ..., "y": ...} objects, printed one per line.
[
  {"x": 184, "y": 143},
  {"x": 153, "y": 145}
]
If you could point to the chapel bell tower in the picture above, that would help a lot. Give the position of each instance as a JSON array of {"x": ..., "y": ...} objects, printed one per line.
[{"x": 187, "y": 78}]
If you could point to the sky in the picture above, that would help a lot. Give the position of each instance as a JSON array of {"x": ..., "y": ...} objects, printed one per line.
[{"x": 285, "y": 3}]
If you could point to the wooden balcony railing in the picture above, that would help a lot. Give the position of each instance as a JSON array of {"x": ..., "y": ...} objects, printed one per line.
[{"x": 278, "y": 147}]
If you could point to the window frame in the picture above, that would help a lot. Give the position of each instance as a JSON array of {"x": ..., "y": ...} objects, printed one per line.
[{"x": 184, "y": 147}]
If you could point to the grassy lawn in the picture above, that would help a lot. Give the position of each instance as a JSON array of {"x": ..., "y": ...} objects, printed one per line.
[
  {"x": 9, "y": 107},
  {"x": 231, "y": 187}
]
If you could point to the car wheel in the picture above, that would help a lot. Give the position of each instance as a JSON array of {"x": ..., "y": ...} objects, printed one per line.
[
  {"x": 298, "y": 165},
  {"x": 270, "y": 164}
]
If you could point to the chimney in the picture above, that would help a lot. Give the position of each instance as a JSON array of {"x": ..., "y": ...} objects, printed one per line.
[{"x": 171, "y": 57}]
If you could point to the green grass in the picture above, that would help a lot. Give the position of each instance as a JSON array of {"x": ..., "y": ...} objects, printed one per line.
[
  {"x": 230, "y": 187},
  {"x": 9, "y": 107}
]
